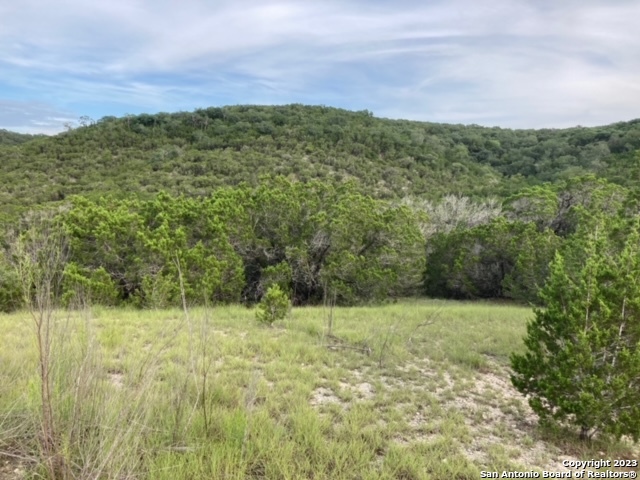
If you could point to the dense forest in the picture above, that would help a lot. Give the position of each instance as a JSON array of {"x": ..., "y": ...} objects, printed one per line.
[
  {"x": 193, "y": 153},
  {"x": 224, "y": 202}
]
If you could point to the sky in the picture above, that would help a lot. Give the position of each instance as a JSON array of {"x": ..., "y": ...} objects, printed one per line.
[{"x": 507, "y": 63}]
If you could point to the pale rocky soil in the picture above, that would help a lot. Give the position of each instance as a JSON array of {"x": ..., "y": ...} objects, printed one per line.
[
  {"x": 11, "y": 469},
  {"x": 496, "y": 416}
]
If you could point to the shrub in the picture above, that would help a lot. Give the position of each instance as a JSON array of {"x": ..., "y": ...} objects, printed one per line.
[
  {"x": 583, "y": 358},
  {"x": 273, "y": 306},
  {"x": 90, "y": 286}
]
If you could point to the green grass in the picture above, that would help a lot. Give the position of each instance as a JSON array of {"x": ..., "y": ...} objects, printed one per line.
[{"x": 414, "y": 390}]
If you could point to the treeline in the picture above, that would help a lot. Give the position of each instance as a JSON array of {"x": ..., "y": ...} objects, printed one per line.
[
  {"x": 504, "y": 250},
  {"x": 13, "y": 138},
  {"x": 311, "y": 239},
  {"x": 193, "y": 153},
  {"x": 315, "y": 241}
]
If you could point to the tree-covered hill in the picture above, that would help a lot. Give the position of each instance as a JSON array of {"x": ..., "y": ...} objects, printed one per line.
[
  {"x": 195, "y": 152},
  {"x": 354, "y": 208},
  {"x": 13, "y": 138}
]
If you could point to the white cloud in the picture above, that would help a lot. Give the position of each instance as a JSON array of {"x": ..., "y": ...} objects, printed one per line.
[
  {"x": 522, "y": 63},
  {"x": 32, "y": 117}
]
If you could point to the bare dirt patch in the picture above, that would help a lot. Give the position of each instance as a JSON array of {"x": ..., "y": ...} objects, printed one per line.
[
  {"x": 324, "y": 396},
  {"x": 362, "y": 391},
  {"x": 495, "y": 415},
  {"x": 494, "y": 420},
  {"x": 11, "y": 469},
  {"x": 116, "y": 378},
  {"x": 365, "y": 391}
]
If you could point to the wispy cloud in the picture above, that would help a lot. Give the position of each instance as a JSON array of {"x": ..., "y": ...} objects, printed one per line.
[
  {"x": 519, "y": 63},
  {"x": 33, "y": 117}
]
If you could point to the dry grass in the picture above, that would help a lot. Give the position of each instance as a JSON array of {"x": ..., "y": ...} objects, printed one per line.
[{"x": 415, "y": 390}]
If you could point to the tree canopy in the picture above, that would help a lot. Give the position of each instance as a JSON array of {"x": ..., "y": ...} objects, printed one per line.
[
  {"x": 583, "y": 348},
  {"x": 192, "y": 153},
  {"x": 312, "y": 199}
]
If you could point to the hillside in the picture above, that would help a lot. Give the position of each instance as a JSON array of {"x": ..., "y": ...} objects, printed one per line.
[
  {"x": 13, "y": 138},
  {"x": 194, "y": 152}
]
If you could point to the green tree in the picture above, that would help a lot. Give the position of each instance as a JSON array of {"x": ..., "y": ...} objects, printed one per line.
[
  {"x": 328, "y": 237},
  {"x": 533, "y": 250},
  {"x": 582, "y": 362},
  {"x": 10, "y": 292},
  {"x": 104, "y": 235},
  {"x": 138, "y": 247},
  {"x": 499, "y": 259},
  {"x": 186, "y": 235}
]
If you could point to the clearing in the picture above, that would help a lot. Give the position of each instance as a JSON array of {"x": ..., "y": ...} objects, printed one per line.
[{"x": 414, "y": 390}]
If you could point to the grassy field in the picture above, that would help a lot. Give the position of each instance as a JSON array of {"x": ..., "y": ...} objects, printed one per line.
[{"x": 414, "y": 390}]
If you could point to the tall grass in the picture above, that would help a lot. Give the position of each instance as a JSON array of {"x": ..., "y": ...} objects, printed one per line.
[{"x": 152, "y": 394}]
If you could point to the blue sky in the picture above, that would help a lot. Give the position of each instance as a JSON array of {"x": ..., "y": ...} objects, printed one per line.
[{"x": 510, "y": 63}]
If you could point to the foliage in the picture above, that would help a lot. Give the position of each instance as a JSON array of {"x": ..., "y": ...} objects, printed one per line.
[
  {"x": 85, "y": 286},
  {"x": 10, "y": 292},
  {"x": 239, "y": 241},
  {"x": 453, "y": 212},
  {"x": 188, "y": 234},
  {"x": 313, "y": 198},
  {"x": 141, "y": 245},
  {"x": 274, "y": 306},
  {"x": 38, "y": 252},
  {"x": 557, "y": 206},
  {"x": 583, "y": 358},
  {"x": 312, "y": 236},
  {"x": 497, "y": 260},
  {"x": 280, "y": 275},
  {"x": 194, "y": 152},
  {"x": 12, "y": 138},
  {"x": 533, "y": 251},
  {"x": 476, "y": 251}
]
